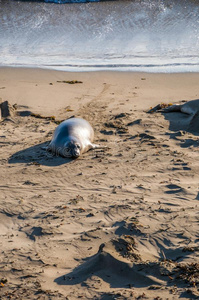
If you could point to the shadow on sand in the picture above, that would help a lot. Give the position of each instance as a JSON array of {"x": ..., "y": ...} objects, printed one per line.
[
  {"x": 111, "y": 270},
  {"x": 120, "y": 274},
  {"x": 38, "y": 155},
  {"x": 181, "y": 123}
]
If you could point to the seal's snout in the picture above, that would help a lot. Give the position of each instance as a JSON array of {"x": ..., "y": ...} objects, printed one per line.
[
  {"x": 76, "y": 153},
  {"x": 75, "y": 150}
]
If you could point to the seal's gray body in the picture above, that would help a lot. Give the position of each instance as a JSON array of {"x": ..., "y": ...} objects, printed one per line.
[
  {"x": 190, "y": 107},
  {"x": 72, "y": 138}
]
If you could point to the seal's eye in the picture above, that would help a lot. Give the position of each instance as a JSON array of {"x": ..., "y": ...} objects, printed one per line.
[
  {"x": 67, "y": 149},
  {"x": 78, "y": 146}
]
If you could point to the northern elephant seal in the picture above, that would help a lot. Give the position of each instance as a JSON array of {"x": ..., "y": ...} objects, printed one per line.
[
  {"x": 190, "y": 107},
  {"x": 72, "y": 137}
]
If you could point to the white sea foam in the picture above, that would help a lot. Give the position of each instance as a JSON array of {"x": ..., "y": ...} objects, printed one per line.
[{"x": 153, "y": 36}]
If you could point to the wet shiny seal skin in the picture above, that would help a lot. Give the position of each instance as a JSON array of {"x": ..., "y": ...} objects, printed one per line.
[{"x": 72, "y": 138}]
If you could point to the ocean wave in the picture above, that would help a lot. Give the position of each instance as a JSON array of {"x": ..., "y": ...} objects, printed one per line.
[
  {"x": 155, "y": 35},
  {"x": 150, "y": 2}
]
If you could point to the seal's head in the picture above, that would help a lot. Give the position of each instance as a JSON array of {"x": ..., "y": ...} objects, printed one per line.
[{"x": 72, "y": 149}]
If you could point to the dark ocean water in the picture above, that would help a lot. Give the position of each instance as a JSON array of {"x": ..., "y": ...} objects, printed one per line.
[{"x": 153, "y": 36}]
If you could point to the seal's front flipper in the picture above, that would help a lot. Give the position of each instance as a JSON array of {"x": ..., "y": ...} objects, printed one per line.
[{"x": 93, "y": 146}]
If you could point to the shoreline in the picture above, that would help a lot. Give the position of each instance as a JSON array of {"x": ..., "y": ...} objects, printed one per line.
[
  {"x": 98, "y": 70},
  {"x": 118, "y": 221}
]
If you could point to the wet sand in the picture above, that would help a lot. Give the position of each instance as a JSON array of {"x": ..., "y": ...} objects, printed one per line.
[{"x": 119, "y": 222}]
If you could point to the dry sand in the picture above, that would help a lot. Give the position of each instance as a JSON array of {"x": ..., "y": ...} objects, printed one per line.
[{"x": 117, "y": 223}]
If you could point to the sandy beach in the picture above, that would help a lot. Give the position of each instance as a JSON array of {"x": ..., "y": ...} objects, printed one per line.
[{"x": 121, "y": 221}]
